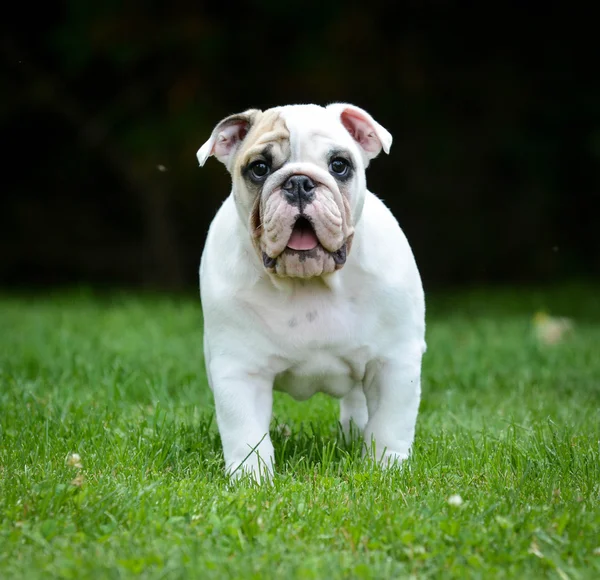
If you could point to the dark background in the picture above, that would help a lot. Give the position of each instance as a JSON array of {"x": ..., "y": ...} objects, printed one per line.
[{"x": 495, "y": 112}]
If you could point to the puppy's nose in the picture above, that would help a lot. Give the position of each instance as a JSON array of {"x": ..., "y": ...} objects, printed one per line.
[{"x": 299, "y": 190}]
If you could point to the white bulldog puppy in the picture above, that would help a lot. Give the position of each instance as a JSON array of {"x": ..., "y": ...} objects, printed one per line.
[{"x": 308, "y": 283}]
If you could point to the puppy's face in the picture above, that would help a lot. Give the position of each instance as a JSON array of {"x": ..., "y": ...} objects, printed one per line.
[{"x": 298, "y": 177}]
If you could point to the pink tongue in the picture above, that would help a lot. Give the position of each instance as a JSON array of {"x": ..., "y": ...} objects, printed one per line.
[{"x": 302, "y": 239}]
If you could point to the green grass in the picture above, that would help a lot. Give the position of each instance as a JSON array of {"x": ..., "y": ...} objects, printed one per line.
[{"x": 510, "y": 425}]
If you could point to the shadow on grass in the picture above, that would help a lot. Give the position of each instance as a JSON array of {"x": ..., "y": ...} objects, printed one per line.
[{"x": 311, "y": 450}]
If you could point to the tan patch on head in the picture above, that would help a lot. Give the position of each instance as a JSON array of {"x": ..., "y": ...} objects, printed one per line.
[{"x": 268, "y": 129}]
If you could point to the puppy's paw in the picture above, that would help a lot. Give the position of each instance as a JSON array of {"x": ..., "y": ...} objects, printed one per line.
[
  {"x": 253, "y": 469},
  {"x": 384, "y": 456},
  {"x": 392, "y": 459}
]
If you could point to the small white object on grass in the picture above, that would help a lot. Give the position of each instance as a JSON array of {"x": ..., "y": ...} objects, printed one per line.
[
  {"x": 74, "y": 460},
  {"x": 551, "y": 329},
  {"x": 455, "y": 500}
]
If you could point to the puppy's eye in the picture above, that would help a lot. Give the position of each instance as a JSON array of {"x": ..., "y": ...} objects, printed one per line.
[
  {"x": 339, "y": 166},
  {"x": 259, "y": 170}
]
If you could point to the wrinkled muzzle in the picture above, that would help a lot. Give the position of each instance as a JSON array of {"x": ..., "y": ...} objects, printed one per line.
[{"x": 306, "y": 234}]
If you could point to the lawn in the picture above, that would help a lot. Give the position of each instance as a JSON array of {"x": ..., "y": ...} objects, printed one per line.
[{"x": 508, "y": 424}]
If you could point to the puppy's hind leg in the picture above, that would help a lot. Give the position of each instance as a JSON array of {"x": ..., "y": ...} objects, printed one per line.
[
  {"x": 393, "y": 392},
  {"x": 353, "y": 413}
]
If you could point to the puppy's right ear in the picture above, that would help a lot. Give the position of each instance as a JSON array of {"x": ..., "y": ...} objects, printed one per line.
[{"x": 227, "y": 136}]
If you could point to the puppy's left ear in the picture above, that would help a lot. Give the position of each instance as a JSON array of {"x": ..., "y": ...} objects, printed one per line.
[
  {"x": 227, "y": 137},
  {"x": 367, "y": 132}
]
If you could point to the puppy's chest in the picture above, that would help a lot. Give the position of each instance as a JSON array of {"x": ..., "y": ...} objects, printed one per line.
[
  {"x": 321, "y": 345},
  {"x": 308, "y": 322}
]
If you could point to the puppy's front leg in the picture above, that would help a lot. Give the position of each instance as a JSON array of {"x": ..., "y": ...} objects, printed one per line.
[
  {"x": 393, "y": 392},
  {"x": 244, "y": 404}
]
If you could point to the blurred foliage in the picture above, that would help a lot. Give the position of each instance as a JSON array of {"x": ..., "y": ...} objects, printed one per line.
[{"x": 495, "y": 113}]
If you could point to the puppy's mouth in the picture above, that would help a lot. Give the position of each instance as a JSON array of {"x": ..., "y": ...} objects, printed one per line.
[
  {"x": 304, "y": 243},
  {"x": 303, "y": 236}
]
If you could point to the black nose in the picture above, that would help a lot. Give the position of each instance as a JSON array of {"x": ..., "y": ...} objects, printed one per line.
[{"x": 299, "y": 190}]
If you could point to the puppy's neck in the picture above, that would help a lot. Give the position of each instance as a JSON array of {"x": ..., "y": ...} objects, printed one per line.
[{"x": 319, "y": 284}]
